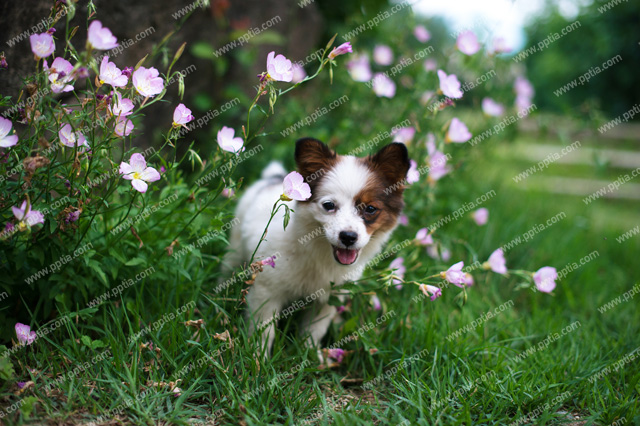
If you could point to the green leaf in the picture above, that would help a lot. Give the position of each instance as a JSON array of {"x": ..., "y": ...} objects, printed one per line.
[
  {"x": 28, "y": 404},
  {"x": 202, "y": 50},
  {"x": 268, "y": 37},
  {"x": 6, "y": 367},
  {"x": 98, "y": 270},
  {"x": 287, "y": 217},
  {"x": 92, "y": 344},
  {"x": 136, "y": 261}
]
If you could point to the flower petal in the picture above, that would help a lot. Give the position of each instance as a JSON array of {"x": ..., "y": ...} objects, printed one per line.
[
  {"x": 139, "y": 185},
  {"x": 138, "y": 163},
  {"x": 150, "y": 175}
]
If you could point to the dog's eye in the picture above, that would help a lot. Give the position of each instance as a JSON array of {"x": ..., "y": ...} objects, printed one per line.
[
  {"x": 370, "y": 210},
  {"x": 328, "y": 206}
]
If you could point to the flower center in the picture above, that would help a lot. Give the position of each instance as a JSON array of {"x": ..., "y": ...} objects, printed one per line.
[{"x": 137, "y": 175}]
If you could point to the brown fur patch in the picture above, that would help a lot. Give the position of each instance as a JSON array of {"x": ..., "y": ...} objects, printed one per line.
[
  {"x": 388, "y": 166},
  {"x": 314, "y": 160}
]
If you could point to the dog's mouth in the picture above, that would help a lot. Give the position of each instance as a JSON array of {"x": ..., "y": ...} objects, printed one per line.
[{"x": 345, "y": 256}]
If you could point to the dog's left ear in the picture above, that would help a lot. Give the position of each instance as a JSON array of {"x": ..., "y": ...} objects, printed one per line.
[{"x": 392, "y": 162}]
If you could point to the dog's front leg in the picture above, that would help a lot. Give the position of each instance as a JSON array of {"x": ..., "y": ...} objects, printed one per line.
[
  {"x": 316, "y": 322},
  {"x": 264, "y": 312}
]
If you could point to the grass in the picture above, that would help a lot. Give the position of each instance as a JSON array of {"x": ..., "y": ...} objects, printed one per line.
[{"x": 516, "y": 364}]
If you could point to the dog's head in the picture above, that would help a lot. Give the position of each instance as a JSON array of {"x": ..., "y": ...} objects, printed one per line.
[{"x": 353, "y": 199}]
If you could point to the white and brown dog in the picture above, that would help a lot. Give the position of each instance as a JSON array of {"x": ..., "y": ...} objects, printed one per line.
[{"x": 331, "y": 236}]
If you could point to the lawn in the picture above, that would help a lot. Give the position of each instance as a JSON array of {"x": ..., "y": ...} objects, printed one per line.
[{"x": 508, "y": 356}]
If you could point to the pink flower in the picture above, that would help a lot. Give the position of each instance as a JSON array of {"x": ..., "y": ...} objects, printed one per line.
[
  {"x": 403, "y": 134},
  {"x": 437, "y": 166},
  {"x": 341, "y": 50},
  {"x": 497, "y": 263},
  {"x": 100, "y": 37},
  {"x": 295, "y": 188},
  {"x": 7, "y": 140},
  {"x": 176, "y": 391},
  {"x": 468, "y": 279},
  {"x": 426, "y": 97},
  {"x": 42, "y": 45},
  {"x": 431, "y": 143},
  {"x": 73, "y": 216},
  {"x": 413, "y": 175},
  {"x": 27, "y": 217},
  {"x": 492, "y": 108},
  {"x": 421, "y": 33},
  {"x": 182, "y": 116},
  {"x": 269, "y": 261},
  {"x": 454, "y": 274},
  {"x": 138, "y": 172},
  {"x": 431, "y": 291},
  {"x": 147, "y": 82},
  {"x": 382, "y": 55},
  {"x": 228, "y": 192},
  {"x": 227, "y": 142},
  {"x": 124, "y": 126},
  {"x": 545, "y": 279},
  {"x": 70, "y": 139},
  {"x": 279, "y": 68},
  {"x": 121, "y": 107},
  {"x": 111, "y": 74},
  {"x": 340, "y": 309},
  {"x": 445, "y": 254},
  {"x": 383, "y": 86},
  {"x": 424, "y": 237},
  {"x": 299, "y": 74},
  {"x": 60, "y": 74},
  {"x": 523, "y": 87},
  {"x": 480, "y": 216},
  {"x": 403, "y": 220},
  {"x": 359, "y": 68},
  {"x": 449, "y": 85},
  {"x": 398, "y": 268},
  {"x": 430, "y": 65},
  {"x": 24, "y": 334},
  {"x": 375, "y": 301},
  {"x": 500, "y": 45},
  {"x": 523, "y": 103},
  {"x": 457, "y": 132},
  {"x": 467, "y": 43},
  {"x": 336, "y": 353}
]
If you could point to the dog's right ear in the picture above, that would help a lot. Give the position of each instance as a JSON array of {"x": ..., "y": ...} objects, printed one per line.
[{"x": 313, "y": 159}]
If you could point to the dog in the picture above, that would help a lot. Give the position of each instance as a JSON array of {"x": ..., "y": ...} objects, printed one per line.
[{"x": 353, "y": 209}]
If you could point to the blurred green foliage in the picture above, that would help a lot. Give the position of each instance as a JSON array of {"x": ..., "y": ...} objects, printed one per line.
[{"x": 600, "y": 37}]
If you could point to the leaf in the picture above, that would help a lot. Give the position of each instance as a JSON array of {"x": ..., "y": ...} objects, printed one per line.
[
  {"x": 92, "y": 344},
  {"x": 135, "y": 261},
  {"x": 334, "y": 300},
  {"x": 287, "y": 217},
  {"x": 202, "y": 50},
  {"x": 6, "y": 367},
  {"x": 269, "y": 37},
  {"x": 98, "y": 270},
  {"x": 28, "y": 404}
]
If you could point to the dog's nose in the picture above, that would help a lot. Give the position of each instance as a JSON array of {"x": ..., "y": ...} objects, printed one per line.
[{"x": 348, "y": 238}]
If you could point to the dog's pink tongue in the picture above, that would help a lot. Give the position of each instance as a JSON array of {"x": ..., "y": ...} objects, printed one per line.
[{"x": 346, "y": 256}]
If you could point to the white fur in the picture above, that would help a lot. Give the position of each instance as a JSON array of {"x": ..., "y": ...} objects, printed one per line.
[{"x": 302, "y": 268}]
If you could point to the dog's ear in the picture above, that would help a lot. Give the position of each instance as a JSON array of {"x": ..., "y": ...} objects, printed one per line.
[
  {"x": 313, "y": 158},
  {"x": 392, "y": 162}
]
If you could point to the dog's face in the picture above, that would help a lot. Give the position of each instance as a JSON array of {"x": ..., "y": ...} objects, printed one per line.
[{"x": 353, "y": 199}]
